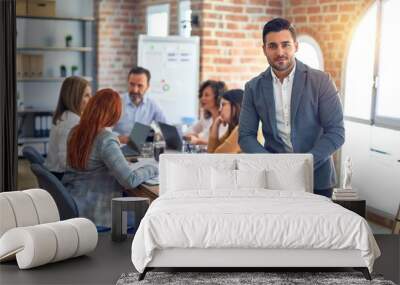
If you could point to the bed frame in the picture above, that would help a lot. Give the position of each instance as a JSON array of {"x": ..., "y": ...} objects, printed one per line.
[
  {"x": 256, "y": 258},
  {"x": 246, "y": 258}
]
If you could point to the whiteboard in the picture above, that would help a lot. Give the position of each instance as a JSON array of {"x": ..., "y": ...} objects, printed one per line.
[{"x": 174, "y": 66}]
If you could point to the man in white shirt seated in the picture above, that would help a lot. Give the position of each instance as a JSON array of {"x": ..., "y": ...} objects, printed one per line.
[{"x": 136, "y": 106}]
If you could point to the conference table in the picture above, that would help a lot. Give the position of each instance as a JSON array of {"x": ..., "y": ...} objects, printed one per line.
[{"x": 144, "y": 190}]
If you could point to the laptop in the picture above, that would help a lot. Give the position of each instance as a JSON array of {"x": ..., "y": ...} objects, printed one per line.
[
  {"x": 137, "y": 138},
  {"x": 173, "y": 139}
]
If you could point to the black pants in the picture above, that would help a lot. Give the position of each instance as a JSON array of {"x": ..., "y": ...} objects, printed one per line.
[
  {"x": 59, "y": 175},
  {"x": 324, "y": 192}
]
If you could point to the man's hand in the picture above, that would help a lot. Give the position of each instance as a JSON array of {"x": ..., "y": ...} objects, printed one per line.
[{"x": 123, "y": 139}]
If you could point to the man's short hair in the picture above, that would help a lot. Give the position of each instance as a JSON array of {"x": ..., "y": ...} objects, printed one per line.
[
  {"x": 140, "y": 70},
  {"x": 277, "y": 25}
]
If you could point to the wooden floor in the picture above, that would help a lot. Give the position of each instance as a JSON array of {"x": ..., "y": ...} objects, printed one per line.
[
  {"x": 26, "y": 179},
  {"x": 110, "y": 259}
]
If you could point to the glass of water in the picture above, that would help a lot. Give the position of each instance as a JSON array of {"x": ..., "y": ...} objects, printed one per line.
[{"x": 147, "y": 150}]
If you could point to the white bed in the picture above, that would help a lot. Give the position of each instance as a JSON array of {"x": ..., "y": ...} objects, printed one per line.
[{"x": 220, "y": 211}]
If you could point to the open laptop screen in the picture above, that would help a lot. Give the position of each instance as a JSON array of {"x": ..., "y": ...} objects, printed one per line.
[
  {"x": 138, "y": 136},
  {"x": 172, "y": 138}
]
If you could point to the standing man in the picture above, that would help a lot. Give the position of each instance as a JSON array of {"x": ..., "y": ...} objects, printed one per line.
[
  {"x": 298, "y": 106},
  {"x": 136, "y": 106}
]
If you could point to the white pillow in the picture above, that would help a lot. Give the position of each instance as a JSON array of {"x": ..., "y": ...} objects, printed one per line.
[
  {"x": 291, "y": 180},
  {"x": 223, "y": 179},
  {"x": 251, "y": 178},
  {"x": 185, "y": 177}
]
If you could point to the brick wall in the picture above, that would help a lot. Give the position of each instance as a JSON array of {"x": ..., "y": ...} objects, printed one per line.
[
  {"x": 231, "y": 39},
  {"x": 120, "y": 22},
  {"x": 330, "y": 23},
  {"x": 230, "y": 34}
]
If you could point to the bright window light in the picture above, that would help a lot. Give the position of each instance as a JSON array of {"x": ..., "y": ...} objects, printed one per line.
[
  {"x": 360, "y": 68},
  {"x": 309, "y": 52},
  {"x": 158, "y": 20},
  {"x": 388, "y": 95}
]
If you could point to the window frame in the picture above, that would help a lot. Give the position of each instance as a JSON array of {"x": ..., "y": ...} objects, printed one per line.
[
  {"x": 182, "y": 30},
  {"x": 310, "y": 40},
  {"x": 375, "y": 120},
  {"x": 156, "y": 9}
]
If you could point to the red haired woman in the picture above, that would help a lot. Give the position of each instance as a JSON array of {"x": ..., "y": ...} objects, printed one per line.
[{"x": 97, "y": 171}]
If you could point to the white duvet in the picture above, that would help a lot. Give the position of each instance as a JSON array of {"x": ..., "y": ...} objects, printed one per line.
[{"x": 250, "y": 219}]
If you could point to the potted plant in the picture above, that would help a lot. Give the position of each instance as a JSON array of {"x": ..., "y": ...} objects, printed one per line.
[
  {"x": 68, "y": 40},
  {"x": 74, "y": 69},
  {"x": 63, "y": 71}
]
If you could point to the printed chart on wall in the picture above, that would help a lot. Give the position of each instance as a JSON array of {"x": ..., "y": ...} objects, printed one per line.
[{"x": 174, "y": 65}]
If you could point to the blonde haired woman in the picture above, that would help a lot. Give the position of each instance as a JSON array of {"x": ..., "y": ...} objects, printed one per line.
[{"x": 74, "y": 94}]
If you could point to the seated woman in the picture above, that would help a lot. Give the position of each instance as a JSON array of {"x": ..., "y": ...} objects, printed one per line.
[
  {"x": 231, "y": 102},
  {"x": 74, "y": 94},
  {"x": 97, "y": 171},
  {"x": 209, "y": 95}
]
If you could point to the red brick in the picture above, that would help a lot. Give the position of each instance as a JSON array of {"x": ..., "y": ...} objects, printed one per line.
[
  {"x": 300, "y": 19},
  {"x": 236, "y": 18},
  {"x": 253, "y": 10},
  {"x": 330, "y": 18},
  {"x": 337, "y": 28},
  {"x": 223, "y": 60},
  {"x": 212, "y": 16},
  {"x": 275, "y": 3},
  {"x": 347, "y": 8},
  {"x": 225, "y": 8},
  {"x": 315, "y": 19},
  {"x": 232, "y": 26},
  {"x": 344, "y": 18},
  {"x": 256, "y": 2},
  {"x": 230, "y": 34},
  {"x": 210, "y": 42},
  {"x": 313, "y": 10},
  {"x": 274, "y": 11},
  {"x": 299, "y": 10}
]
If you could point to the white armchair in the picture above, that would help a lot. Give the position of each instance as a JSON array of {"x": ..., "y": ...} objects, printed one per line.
[{"x": 31, "y": 232}]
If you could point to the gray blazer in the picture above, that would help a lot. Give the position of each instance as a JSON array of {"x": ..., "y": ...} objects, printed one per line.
[
  {"x": 106, "y": 175},
  {"x": 316, "y": 119}
]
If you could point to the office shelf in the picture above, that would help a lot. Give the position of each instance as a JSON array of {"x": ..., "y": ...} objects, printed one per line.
[
  {"x": 24, "y": 140},
  {"x": 83, "y": 19},
  {"x": 40, "y": 79},
  {"x": 78, "y": 49},
  {"x": 34, "y": 111},
  {"x": 46, "y": 36}
]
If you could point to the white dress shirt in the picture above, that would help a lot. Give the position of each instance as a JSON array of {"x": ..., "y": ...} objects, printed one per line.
[
  {"x": 146, "y": 112},
  {"x": 57, "y": 155},
  {"x": 282, "y": 97},
  {"x": 202, "y": 128}
]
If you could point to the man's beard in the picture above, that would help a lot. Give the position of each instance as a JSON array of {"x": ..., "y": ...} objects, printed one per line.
[
  {"x": 283, "y": 67},
  {"x": 135, "y": 97}
]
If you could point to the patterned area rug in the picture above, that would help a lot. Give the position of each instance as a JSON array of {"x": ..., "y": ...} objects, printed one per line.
[{"x": 242, "y": 278}]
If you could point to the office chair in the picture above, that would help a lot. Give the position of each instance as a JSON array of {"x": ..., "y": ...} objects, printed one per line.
[
  {"x": 64, "y": 201},
  {"x": 32, "y": 155}
]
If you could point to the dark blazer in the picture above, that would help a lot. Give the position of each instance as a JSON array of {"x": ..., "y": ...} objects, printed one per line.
[{"x": 316, "y": 119}]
